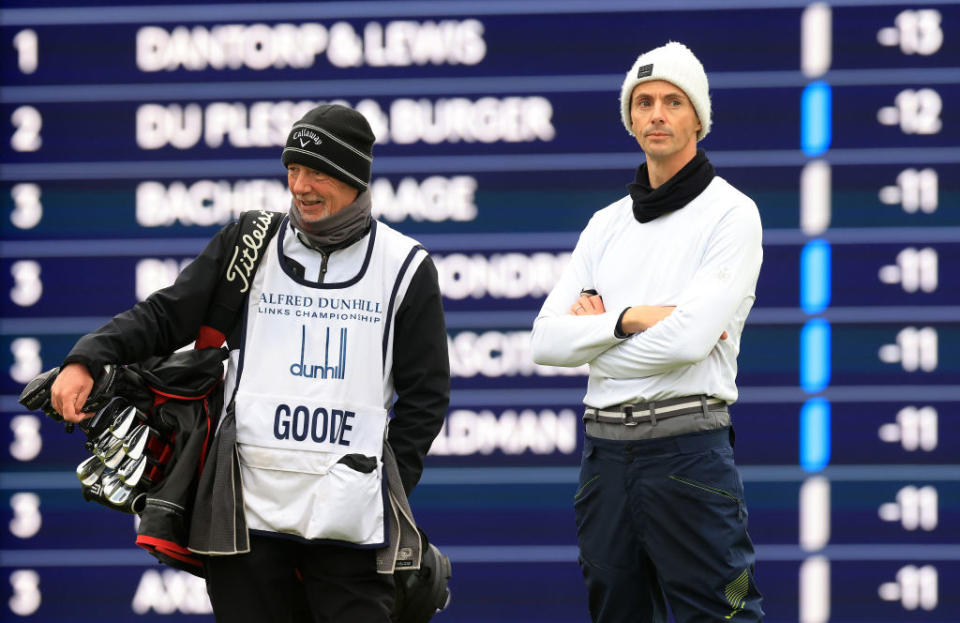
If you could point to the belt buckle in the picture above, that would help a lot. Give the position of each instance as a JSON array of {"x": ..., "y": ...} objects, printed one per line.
[{"x": 628, "y": 416}]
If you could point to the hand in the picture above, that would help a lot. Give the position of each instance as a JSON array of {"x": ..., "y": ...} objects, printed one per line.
[
  {"x": 70, "y": 390},
  {"x": 588, "y": 305}
]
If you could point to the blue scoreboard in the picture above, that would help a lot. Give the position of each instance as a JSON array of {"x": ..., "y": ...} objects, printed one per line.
[{"x": 133, "y": 131}]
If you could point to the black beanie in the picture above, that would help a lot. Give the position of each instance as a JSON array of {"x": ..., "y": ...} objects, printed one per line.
[{"x": 334, "y": 139}]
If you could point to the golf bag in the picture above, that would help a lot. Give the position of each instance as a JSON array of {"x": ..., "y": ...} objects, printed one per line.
[{"x": 148, "y": 439}]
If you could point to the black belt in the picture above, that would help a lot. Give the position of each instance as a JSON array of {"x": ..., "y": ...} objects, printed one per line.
[{"x": 635, "y": 413}]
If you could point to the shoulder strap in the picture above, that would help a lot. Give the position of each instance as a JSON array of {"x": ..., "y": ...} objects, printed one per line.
[{"x": 251, "y": 239}]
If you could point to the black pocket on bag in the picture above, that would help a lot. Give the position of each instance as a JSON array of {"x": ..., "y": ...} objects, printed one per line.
[{"x": 359, "y": 462}]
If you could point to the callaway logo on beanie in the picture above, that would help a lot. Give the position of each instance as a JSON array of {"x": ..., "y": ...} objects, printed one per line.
[
  {"x": 334, "y": 139},
  {"x": 675, "y": 63}
]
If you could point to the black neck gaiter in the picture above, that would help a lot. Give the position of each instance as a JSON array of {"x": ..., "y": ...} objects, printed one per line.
[
  {"x": 338, "y": 230},
  {"x": 678, "y": 191}
]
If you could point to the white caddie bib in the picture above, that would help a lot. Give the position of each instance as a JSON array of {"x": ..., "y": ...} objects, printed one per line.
[{"x": 313, "y": 393}]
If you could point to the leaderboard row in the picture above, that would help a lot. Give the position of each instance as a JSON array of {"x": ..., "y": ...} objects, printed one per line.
[
  {"x": 117, "y": 202},
  {"x": 813, "y": 356},
  {"x": 530, "y": 431},
  {"x": 255, "y": 42},
  {"x": 909, "y": 512},
  {"x": 902, "y": 116},
  {"x": 886, "y": 590},
  {"x": 812, "y": 276}
]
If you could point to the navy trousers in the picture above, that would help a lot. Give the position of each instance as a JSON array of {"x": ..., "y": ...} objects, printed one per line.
[{"x": 664, "y": 519}]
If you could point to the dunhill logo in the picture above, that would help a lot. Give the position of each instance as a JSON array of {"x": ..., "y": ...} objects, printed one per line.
[
  {"x": 247, "y": 251},
  {"x": 324, "y": 371}
]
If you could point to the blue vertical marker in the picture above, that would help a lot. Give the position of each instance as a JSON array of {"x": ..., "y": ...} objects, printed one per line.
[
  {"x": 815, "y": 270},
  {"x": 815, "y": 355},
  {"x": 815, "y": 434},
  {"x": 816, "y": 114}
]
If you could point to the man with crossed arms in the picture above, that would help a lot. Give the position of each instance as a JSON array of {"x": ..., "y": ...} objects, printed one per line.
[{"x": 655, "y": 299}]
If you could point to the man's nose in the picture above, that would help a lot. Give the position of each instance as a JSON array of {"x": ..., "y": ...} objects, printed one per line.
[
  {"x": 298, "y": 182},
  {"x": 656, "y": 112}
]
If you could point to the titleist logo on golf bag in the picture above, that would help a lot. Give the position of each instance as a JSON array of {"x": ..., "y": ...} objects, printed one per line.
[{"x": 247, "y": 252}]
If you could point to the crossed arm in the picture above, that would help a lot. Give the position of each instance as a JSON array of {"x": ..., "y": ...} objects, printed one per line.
[
  {"x": 573, "y": 329},
  {"x": 633, "y": 320}
]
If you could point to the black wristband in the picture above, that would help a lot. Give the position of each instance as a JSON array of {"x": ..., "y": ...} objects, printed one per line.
[{"x": 618, "y": 331}]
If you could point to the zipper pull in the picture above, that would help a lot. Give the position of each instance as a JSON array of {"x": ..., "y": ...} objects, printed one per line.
[{"x": 323, "y": 266}]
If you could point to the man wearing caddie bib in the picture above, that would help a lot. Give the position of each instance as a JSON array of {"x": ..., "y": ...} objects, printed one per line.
[{"x": 343, "y": 323}]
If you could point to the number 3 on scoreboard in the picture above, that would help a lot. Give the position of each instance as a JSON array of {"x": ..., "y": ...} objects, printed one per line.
[{"x": 26, "y": 592}]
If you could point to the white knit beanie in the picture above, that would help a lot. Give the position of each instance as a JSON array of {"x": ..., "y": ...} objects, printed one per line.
[{"x": 675, "y": 63}]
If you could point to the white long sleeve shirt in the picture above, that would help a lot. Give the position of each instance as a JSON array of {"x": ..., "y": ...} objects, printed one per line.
[{"x": 703, "y": 258}]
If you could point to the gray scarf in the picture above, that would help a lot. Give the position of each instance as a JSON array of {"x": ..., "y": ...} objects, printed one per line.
[{"x": 337, "y": 230}]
